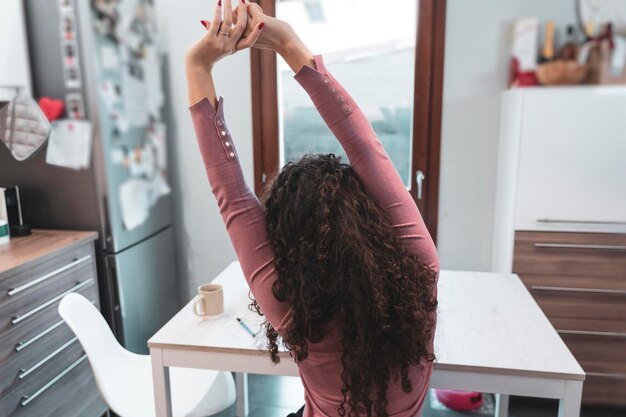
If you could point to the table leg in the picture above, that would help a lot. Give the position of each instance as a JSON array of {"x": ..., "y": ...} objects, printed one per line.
[
  {"x": 161, "y": 381},
  {"x": 502, "y": 405},
  {"x": 569, "y": 405},
  {"x": 241, "y": 383}
]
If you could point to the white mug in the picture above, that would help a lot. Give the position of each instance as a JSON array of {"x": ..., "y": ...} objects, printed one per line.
[{"x": 210, "y": 300}]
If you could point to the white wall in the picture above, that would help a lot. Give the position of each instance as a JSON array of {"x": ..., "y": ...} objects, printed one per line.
[
  {"x": 14, "y": 65},
  {"x": 203, "y": 247},
  {"x": 478, "y": 36}
]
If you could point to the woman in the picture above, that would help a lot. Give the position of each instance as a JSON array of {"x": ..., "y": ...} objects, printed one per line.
[{"x": 338, "y": 258}]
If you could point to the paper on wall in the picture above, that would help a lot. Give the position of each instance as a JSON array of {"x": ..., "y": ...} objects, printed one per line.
[{"x": 69, "y": 144}]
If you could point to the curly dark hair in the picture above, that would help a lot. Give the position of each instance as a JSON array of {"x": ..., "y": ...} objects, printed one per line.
[{"x": 339, "y": 261}]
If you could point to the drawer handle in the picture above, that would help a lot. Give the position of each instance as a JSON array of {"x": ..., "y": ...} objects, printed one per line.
[
  {"x": 27, "y": 399},
  {"x": 590, "y": 333},
  {"x": 49, "y": 275},
  {"x": 605, "y": 375},
  {"x": 35, "y": 310},
  {"x": 608, "y": 222},
  {"x": 573, "y": 289},
  {"x": 22, "y": 345},
  {"x": 25, "y": 372},
  {"x": 579, "y": 246}
]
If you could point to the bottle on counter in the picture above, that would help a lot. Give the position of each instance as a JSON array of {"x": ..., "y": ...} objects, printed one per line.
[
  {"x": 547, "y": 53},
  {"x": 569, "y": 50},
  {"x": 589, "y": 30}
]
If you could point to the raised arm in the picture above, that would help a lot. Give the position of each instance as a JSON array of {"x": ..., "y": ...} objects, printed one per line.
[
  {"x": 368, "y": 157},
  {"x": 239, "y": 207},
  {"x": 348, "y": 123}
]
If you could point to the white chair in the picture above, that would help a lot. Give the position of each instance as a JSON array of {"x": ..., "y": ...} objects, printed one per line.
[{"x": 124, "y": 378}]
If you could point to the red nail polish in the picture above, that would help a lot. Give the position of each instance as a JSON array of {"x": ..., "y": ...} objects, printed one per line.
[
  {"x": 203, "y": 23},
  {"x": 219, "y": 2},
  {"x": 261, "y": 25}
]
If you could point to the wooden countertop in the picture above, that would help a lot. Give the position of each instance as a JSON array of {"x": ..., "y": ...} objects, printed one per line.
[{"x": 40, "y": 244}]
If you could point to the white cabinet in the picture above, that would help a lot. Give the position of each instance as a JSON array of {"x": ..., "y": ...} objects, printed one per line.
[{"x": 561, "y": 164}]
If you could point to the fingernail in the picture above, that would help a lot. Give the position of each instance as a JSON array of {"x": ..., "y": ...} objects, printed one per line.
[
  {"x": 261, "y": 25},
  {"x": 203, "y": 23},
  {"x": 243, "y": 1},
  {"x": 219, "y": 2}
]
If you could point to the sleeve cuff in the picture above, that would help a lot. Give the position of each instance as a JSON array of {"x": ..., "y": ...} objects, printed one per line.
[
  {"x": 308, "y": 76},
  {"x": 205, "y": 108}
]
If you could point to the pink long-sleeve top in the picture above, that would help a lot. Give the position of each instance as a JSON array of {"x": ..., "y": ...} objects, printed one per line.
[{"x": 245, "y": 222}]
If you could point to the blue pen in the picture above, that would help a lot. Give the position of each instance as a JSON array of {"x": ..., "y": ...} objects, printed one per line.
[{"x": 245, "y": 327}]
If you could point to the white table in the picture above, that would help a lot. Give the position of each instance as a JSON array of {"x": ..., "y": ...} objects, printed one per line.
[{"x": 491, "y": 337}]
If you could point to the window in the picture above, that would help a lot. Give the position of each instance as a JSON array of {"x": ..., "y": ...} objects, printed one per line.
[
  {"x": 376, "y": 61},
  {"x": 375, "y": 66}
]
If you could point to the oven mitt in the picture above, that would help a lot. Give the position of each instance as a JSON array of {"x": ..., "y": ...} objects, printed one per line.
[{"x": 23, "y": 126}]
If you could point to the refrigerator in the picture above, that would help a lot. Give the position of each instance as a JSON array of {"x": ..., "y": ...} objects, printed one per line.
[{"x": 83, "y": 52}]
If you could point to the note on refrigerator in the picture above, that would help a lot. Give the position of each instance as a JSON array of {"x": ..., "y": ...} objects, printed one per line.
[
  {"x": 158, "y": 139},
  {"x": 138, "y": 196},
  {"x": 134, "y": 95},
  {"x": 109, "y": 57},
  {"x": 69, "y": 144},
  {"x": 135, "y": 201},
  {"x": 151, "y": 66}
]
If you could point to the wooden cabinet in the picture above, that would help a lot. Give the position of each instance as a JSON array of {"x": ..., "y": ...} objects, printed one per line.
[
  {"x": 560, "y": 220},
  {"x": 43, "y": 369},
  {"x": 579, "y": 281}
]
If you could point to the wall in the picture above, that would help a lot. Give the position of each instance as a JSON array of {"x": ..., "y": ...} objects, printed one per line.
[
  {"x": 14, "y": 65},
  {"x": 203, "y": 247},
  {"x": 478, "y": 36}
]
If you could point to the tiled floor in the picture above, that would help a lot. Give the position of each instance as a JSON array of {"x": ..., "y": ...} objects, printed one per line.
[{"x": 278, "y": 396}]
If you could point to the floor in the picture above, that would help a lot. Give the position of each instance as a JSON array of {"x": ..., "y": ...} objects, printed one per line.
[{"x": 272, "y": 396}]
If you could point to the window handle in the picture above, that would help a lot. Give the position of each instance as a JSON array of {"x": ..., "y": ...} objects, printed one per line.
[{"x": 419, "y": 180}]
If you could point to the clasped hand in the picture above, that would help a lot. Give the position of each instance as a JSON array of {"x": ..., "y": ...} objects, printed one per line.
[{"x": 243, "y": 27}]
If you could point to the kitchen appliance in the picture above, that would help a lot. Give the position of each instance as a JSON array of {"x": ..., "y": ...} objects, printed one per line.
[
  {"x": 76, "y": 50},
  {"x": 14, "y": 211}
]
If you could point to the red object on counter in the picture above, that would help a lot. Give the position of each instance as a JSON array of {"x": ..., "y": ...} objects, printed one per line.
[
  {"x": 519, "y": 78},
  {"x": 52, "y": 108}
]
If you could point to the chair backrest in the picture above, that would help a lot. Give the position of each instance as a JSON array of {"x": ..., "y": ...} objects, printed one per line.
[{"x": 105, "y": 354}]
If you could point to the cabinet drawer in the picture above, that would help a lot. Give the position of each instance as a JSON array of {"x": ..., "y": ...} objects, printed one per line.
[
  {"x": 42, "y": 394},
  {"x": 33, "y": 297},
  {"x": 602, "y": 389},
  {"x": 14, "y": 286},
  {"x": 23, "y": 359},
  {"x": 570, "y": 254},
  {"x": 596, "y": 352},
  {"x": 591, "y": 284},
  {"x": 575, "y": 303},
  {"x": 25, "y": 311}
]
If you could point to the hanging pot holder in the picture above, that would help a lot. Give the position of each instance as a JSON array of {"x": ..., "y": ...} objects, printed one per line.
[{"x": 24, "y": 128}]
